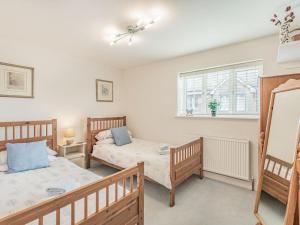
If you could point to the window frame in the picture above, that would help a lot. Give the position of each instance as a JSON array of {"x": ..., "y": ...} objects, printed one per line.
[{"x": 181, "y": 94}]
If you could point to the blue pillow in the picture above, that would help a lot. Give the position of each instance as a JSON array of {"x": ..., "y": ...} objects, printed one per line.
[
  {"x": 121, "y": 136},
  {"x": 27, "y": 156}
]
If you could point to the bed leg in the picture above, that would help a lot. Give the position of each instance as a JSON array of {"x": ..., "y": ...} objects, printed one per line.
[
  {"x": 172, "y": 197},
  {"x": 201, "y": 173},
  {"x": 88, "y": 162}
]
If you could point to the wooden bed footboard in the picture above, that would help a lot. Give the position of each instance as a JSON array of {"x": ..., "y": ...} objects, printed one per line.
[
  {"x": 125, "y": 210},
  {"x": 185, "y": 161}
]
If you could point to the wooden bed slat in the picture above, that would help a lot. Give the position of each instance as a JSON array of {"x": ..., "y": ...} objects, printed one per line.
[
  {"x": 107, "y": 196},
  {"x": 124, "y": 187},
  {"x": 21, "y": 132},
  {"x": 72, "y": 213},
  {"x": 97, "y": 201},
  {"x": 41, "y": 222},
  {"x": 57, "y": 217},
  {"x": 28, "y": 131},
  {"x": 116, "y": 191},
  {"x": 5, "y": 135},
  {"x": 86, "y": 207},
  {"x": 14, "y": 133},
  {"x": 131, "y": 183}
]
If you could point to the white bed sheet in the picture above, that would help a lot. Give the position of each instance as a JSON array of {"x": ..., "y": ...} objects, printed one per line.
[
  {"x": 25, "y": 189},
  {"x": 157, "y": 167}
]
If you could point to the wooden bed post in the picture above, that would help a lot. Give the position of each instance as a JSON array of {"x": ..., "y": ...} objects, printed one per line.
[
  {"x": 201, "y": 158},
  {"x": 172, "y": 197},
  {"x": 141, "y": 193},
  {"x": 54, "y": 134},
  {"x": 298, "y": 180},
  {"x": 124, "y": 119},
  {"x": 172, "y": 175},
  {"x": 89, "y": 142}
]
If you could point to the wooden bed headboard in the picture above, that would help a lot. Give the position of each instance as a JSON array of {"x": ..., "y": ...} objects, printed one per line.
[
  {"x": 95, "y": 125},
  {"x": 28, "y": 131}
]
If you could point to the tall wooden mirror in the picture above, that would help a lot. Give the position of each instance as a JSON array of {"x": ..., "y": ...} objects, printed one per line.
[{"x": 276, "y": 186}]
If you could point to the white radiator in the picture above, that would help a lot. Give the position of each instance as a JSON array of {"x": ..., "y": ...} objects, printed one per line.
[{"x": 230, "y": 157}]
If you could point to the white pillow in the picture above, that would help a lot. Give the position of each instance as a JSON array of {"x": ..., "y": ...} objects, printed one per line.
[
  {"x": 3, "y": 168},
  {"x": 106, "y": 141},
  {"x": 102, "y": 135},
  {"x": 52, "y": 158},
  {"x": 3, "y": 157},
  {"x": 106, "y": 134},
  {"x": 51, "y": 152}
]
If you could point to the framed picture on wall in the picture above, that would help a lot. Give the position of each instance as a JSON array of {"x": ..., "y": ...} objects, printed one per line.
[
  {"x": 104, "y": 91},
  {"x": 16, "y": 81}
]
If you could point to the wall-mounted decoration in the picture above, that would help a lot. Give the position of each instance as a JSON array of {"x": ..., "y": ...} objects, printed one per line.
[
  {"x": 284, "y": 24},
  {"x": 16, "y": 81},
  {"x": 104, "y": 91}
]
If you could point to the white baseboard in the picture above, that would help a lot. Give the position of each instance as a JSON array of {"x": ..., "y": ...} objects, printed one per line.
[{"x": 229, "y": 180}]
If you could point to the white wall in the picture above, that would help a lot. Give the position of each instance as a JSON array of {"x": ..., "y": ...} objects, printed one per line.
[
  {"x": 64, "y": 87},
  {"x": 151, "y": 95}
]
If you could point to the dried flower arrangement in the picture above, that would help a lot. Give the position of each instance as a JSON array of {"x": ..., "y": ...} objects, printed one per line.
[{"x": 285, "y": 24}]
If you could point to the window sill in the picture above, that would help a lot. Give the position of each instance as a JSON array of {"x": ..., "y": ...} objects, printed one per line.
[{"x": 233, "y": 117}]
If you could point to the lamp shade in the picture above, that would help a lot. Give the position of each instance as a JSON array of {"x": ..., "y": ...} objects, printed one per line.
[{"x": 69, "y": 133}]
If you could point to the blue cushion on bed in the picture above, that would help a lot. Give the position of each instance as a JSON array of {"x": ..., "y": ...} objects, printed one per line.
[
  {"x": 27, "y": 156},
  {"x": 121, "y": 136}
]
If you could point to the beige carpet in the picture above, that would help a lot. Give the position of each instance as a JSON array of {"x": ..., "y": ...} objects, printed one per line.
[{"x": 198, "y": 202}]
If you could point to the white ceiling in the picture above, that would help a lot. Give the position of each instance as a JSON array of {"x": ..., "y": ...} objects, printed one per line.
[{"x": 80, "y": 26}]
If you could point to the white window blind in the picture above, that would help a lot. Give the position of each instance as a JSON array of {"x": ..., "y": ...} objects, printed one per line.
[{"x": 234, "y": 87}]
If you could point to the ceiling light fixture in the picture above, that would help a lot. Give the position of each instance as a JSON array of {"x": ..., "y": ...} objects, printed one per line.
[{"x": 141, "y": 25}]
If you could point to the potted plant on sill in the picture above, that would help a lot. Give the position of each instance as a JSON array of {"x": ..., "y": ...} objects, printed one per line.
[{"x": 213, "y": 106}]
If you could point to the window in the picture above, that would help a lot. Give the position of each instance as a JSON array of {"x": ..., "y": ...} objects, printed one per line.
[{"x": 235, "y": 88}]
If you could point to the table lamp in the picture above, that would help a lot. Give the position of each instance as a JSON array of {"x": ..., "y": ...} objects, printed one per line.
[{"x": 69, "y": 134}]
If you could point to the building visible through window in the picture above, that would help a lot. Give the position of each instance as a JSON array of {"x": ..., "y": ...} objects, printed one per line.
[{"x": 235, "y": 88}]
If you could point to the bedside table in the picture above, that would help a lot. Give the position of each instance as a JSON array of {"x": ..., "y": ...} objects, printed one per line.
[{"x": 75, "y": 152}]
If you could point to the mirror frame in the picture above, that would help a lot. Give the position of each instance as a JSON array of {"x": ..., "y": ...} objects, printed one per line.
[{"x": 294, "y": 185}]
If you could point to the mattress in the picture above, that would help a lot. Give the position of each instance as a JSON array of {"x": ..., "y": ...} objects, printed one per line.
[
  {"x": 25, "y": 189},
  {"x": 157, "y": 167}
]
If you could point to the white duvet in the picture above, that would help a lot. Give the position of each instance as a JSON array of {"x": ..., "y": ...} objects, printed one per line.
[
  {"x": 25, "y": 189},
  {"x": 157, "y": 167}
]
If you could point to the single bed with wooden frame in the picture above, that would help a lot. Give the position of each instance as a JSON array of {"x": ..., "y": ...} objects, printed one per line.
[
  {"x": 127, "y": 209},
  {"x": 184, "y": 161}
]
